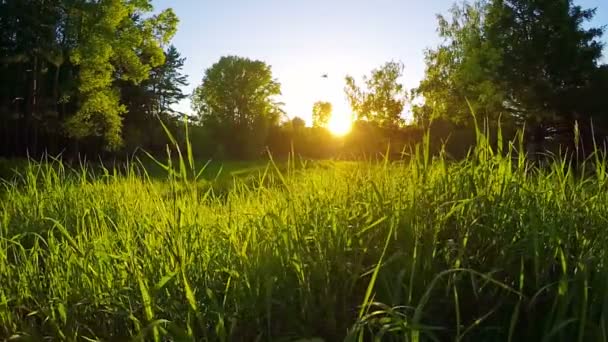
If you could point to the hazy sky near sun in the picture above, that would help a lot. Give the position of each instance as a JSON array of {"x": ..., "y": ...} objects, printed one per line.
[{"x": 303, "y": 39}]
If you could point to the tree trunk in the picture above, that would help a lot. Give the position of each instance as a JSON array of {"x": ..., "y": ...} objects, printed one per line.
[
  {"x": 30, "y": 107},
  {"x": 35, "y": 113},
  {"x": 54, "y": 136}
]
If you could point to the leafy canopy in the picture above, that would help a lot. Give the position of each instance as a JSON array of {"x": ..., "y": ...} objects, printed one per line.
[
  {"x": 524, "y": 60},
  {"x": 113, "y": 41},
  {"x": 166, "y": 81},
  {"x": 237, "y": 102},
  {"x": 321, "y": 113},
  {"x": 382, "y": 99}
]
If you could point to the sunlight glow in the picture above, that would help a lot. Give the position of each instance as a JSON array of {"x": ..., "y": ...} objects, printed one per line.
[
  {"x": 341, "y": 120},
  {"x": 340, "y": 123}
]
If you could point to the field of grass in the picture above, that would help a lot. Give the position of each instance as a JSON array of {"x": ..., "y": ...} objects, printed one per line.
[{"x": 487, "y": 249}]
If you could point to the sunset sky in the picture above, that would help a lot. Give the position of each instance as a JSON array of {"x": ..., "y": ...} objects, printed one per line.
[{"x": 304, "y": 39}]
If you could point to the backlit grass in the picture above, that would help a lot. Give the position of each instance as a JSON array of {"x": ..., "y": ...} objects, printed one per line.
[{"x": 490, "y": 248}]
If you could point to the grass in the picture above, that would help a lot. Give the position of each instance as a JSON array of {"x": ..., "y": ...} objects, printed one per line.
[{"x": 489, "y": 248}]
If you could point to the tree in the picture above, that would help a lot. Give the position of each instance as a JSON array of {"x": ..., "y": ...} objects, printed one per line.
[
  {"x": 166, "y": 81},
  {"x": 461, "y": 69},
  {"x": 321, "y": 113},
  {"x": 28, "y": 35},
  {"x": 236, "y": 101},
  {"x": 62, "y": 64},
  {"x": 383, "y": 99},
  {"x": 297, "y": 123},
  {"x": 151, "y": 100},
  {"x": 549, "y": 63},
  {"x": 156, "y": 95},
  {"x": 114, "y": 40},
  {"x": 527, "y": 61}
]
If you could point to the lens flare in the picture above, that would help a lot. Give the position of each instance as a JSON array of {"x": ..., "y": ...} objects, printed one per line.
[{"x": 340, "y": 123}]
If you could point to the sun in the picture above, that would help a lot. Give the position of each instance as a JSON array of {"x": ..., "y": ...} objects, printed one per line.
[{"x": 339, "y": 124}]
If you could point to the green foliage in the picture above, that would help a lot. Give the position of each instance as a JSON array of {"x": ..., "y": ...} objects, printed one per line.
[
  {"x": 294, "y": 138},
  {"x": 382, "y": 99},
  {"x": 237, "y": 102},
  {"x": 297, "y": 123},
  {"x": 369, "y": 140},
  {"x": 547, "y": 54},
  {"x": 112, "y": 39},
  {"x": 151, "y": 101},
  {"x": 65, "y": 65},
  {"x": 461, "y": 69},
  {"x": 519, "y": 60},
  {"x": 167, "y": 81},
  {"x": 321, "y": 113},
  {"x": 489, "y": 248}
]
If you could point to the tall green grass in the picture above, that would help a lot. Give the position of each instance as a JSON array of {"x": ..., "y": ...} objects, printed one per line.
[{"x": 489, "y": 248}]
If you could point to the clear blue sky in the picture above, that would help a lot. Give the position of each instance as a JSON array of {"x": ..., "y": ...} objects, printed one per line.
[{"x": 303, "y": 39}]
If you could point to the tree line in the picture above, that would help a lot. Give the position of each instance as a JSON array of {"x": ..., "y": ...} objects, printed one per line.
[
  {"x": 78, "y": 75},
  {"x": 99, "y": 78}
]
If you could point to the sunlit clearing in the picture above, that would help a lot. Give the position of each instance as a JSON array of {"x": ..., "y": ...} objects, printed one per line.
[{"x": 339, "y": 124}]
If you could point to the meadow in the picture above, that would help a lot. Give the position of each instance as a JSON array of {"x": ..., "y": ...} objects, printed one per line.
[{"x": 493, "y": 247}]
